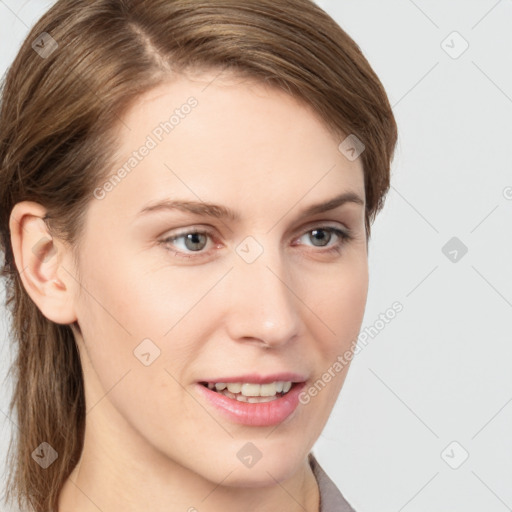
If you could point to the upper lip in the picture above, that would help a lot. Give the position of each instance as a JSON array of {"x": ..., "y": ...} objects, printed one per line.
[{"x": 255, "y": 378}]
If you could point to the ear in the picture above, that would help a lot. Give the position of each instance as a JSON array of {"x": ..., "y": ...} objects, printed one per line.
[{"x": 44, "y": 263}]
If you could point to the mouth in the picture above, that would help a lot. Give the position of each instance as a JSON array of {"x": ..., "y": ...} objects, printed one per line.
[
  {"x": 256, "y": 404},
  {"x": 252, "y": 392}
]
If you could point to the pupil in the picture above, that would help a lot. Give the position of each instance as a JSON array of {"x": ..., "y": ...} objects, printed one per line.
[
  {"x": 192, "y": 237},
  {"x": 326, "y": 239}
]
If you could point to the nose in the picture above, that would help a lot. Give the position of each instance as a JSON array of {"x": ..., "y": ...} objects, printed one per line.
[{"x": 262, "y": 301}]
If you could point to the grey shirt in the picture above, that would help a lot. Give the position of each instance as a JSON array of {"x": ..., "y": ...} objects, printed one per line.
[{"x": 331, "y": 499}]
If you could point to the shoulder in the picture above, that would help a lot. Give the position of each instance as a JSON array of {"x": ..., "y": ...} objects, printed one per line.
[{"x": 331, "y": 499}]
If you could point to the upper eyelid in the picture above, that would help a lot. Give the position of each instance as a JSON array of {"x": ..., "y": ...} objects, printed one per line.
[{"x": 303, "y": 229}]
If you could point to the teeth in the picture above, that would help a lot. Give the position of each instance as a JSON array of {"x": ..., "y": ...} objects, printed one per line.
[
  {"x": 234, "y": 387},
  {"x": 256, "y": 390},
  {"x": 247, "y": 389},
  {"x": 260, "y": 399}
]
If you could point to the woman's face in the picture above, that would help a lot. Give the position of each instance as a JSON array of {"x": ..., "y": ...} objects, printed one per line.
[{"x": 272, "y": 293}]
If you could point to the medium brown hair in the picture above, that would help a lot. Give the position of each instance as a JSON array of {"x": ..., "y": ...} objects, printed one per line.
[{"x": 59, "y": 114}]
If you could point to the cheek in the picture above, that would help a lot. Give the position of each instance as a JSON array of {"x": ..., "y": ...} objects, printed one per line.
[
  {"x": 341, "y": 310},
  {"x": 130, "y": 297},
  {"x": 130, "y": 314},
  {"x": 342, "y": 303},
  {"x": 127, "y": 354}
]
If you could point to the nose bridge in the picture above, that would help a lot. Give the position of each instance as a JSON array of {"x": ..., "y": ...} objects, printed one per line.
[{"x": 262, "y": 303}]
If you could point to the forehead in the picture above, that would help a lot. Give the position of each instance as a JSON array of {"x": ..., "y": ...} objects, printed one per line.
[{"x": 220, "y": 138}]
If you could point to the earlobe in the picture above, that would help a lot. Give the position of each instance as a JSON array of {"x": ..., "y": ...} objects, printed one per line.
[{"x": 41, "y": 261}]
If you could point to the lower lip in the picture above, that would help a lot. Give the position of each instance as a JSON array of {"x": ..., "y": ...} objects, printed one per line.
[{"x": 257, "y": 415}]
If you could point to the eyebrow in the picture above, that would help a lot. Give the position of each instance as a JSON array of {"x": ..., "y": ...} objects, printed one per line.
[{"x": 223, "y": 212}]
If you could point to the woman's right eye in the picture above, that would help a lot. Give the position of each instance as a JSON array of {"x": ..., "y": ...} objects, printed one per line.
[{"x": 193, "y": 240}]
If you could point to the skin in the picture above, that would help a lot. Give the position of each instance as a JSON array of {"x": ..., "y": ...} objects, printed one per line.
[{"x": 152, "y": 442}]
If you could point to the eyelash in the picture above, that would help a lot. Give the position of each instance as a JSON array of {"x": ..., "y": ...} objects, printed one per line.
[{"x": 344, "y": 237}]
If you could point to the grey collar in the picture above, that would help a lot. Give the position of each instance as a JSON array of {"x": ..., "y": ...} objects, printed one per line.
[{"x": 331, "y": 499}]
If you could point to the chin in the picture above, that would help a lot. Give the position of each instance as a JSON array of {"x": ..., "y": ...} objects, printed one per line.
[{"x": 273, "y": 465}]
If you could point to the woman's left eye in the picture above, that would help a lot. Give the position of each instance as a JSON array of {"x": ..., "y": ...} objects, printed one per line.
[
  {"x": 195, "y": 241},
  {"x": 318, "y": 235}
]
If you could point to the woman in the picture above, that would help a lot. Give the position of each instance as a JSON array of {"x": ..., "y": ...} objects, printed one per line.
[{"x": 187, "y": 189}]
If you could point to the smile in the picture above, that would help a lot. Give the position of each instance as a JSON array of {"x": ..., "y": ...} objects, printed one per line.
[
  {"x": 251, "y": 393},
  {"x": 252, "y": 404}
]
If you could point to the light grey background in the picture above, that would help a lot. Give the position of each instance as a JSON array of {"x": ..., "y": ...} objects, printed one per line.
[{"x": 440, "y": 371}]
